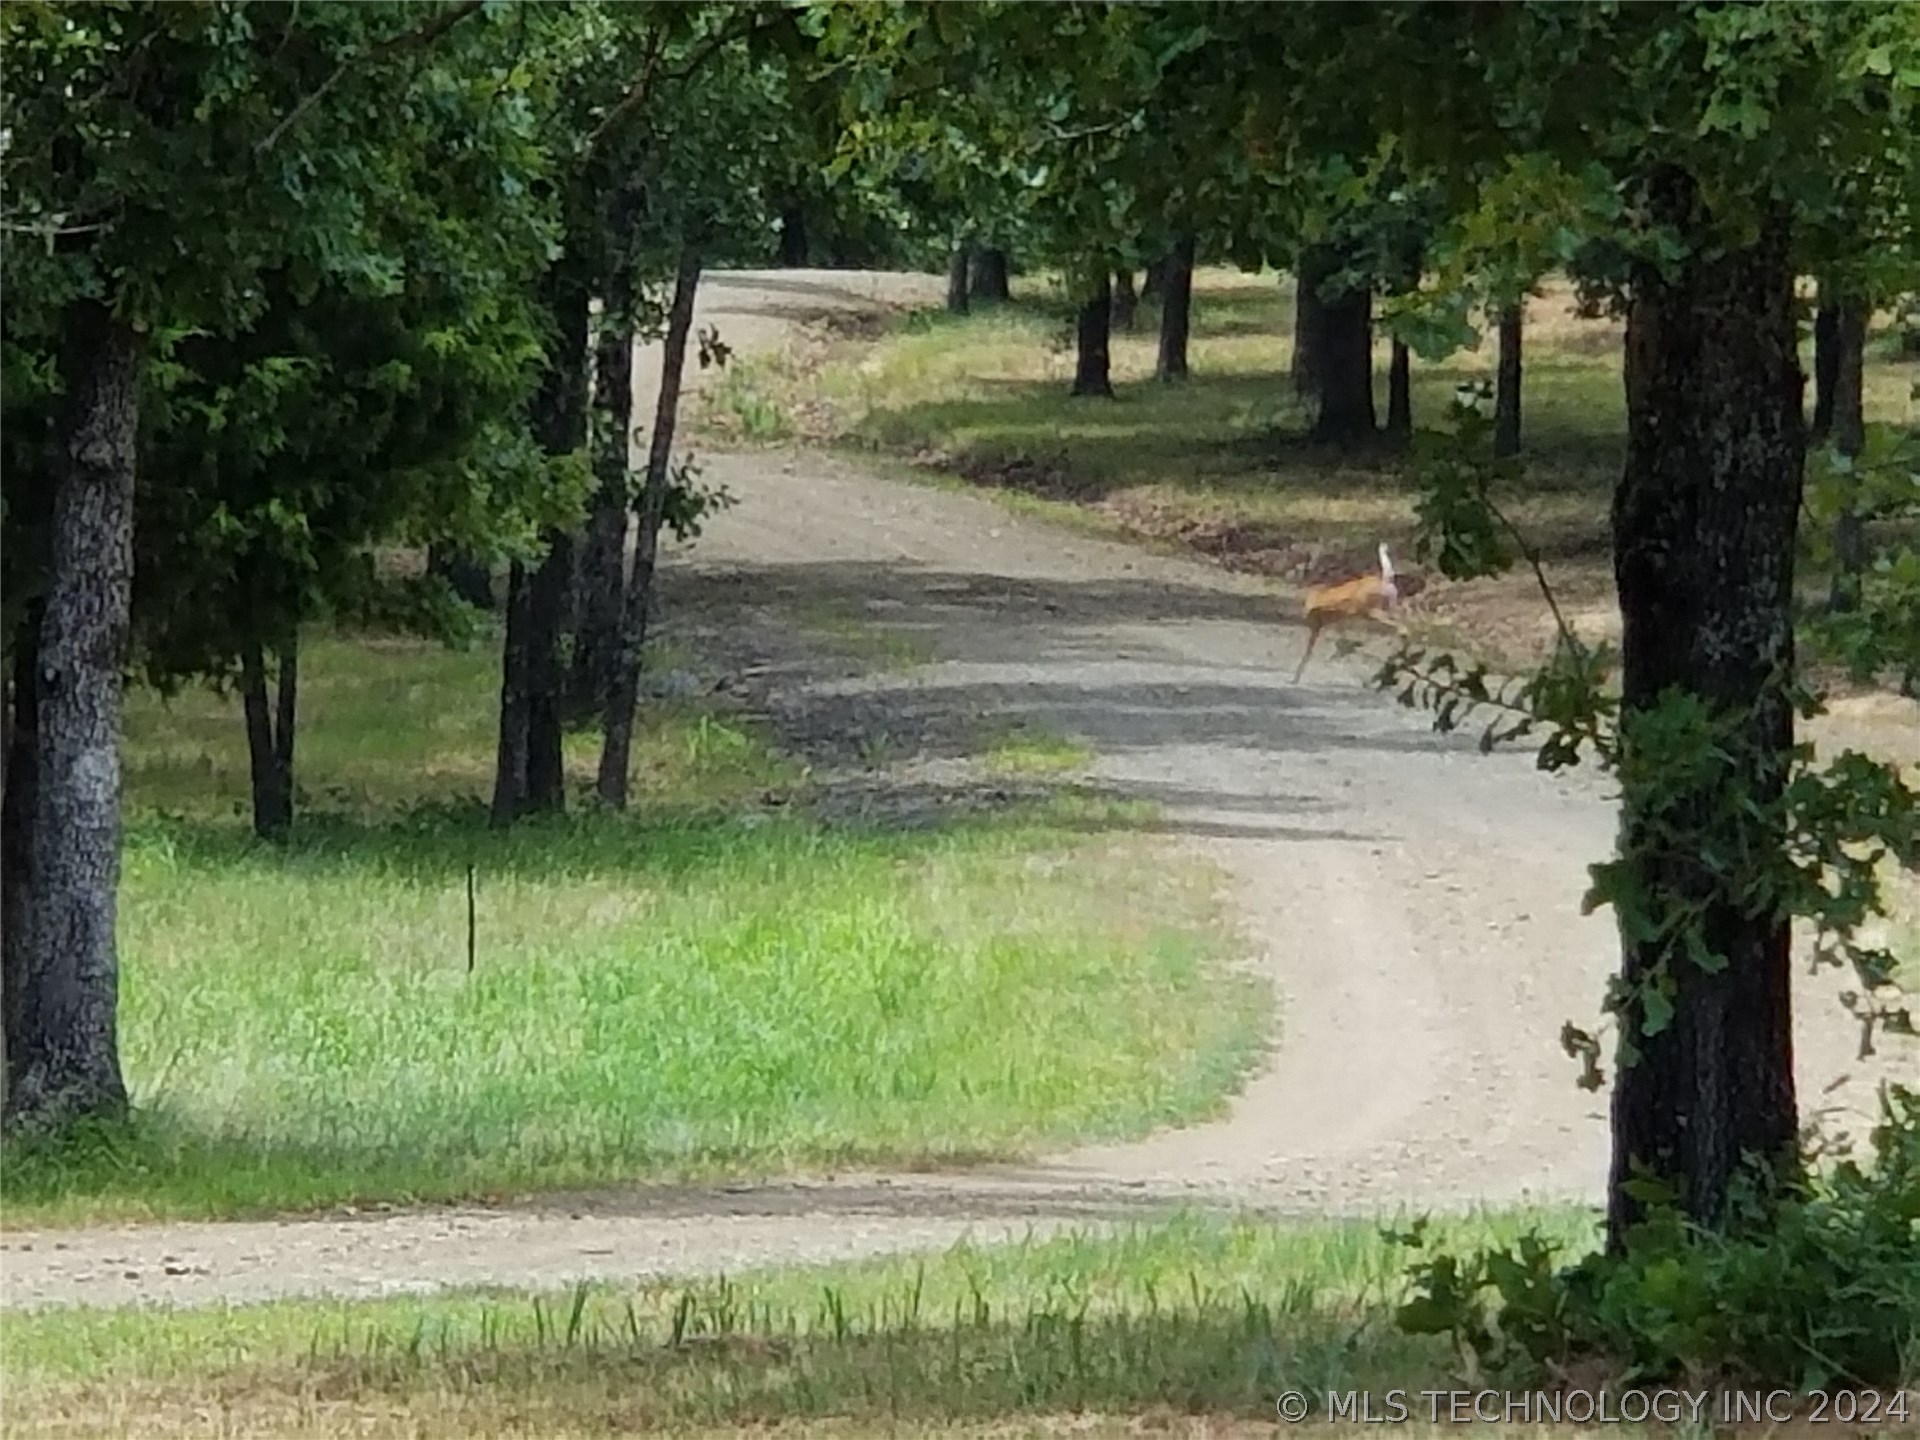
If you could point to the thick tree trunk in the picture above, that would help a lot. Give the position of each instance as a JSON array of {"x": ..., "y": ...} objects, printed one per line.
[
  {"x": 793, "y": 237},
  {"x": 1093, "y": 362},
  {"x": 465, "y": 576},
  {"x": 1176, "y": 311},
  {"x": 1506, "y": 389},
  {"x": 529, "y": 775},
  {"x": 62, "y": 968},
  {"x": 1400, "y": 393},
  {"x": 990, "y": 276},
  {"x": 269, "y": 741},
  {"x": 601, "y": 579},
  {"x": 1848, "y": 432},
  {"x": 623, "y": 696},
  {"x": 1126, "y": 302},
  {"x": 1310, "y": 320},
  {"x": 1345, "y": 361},
  {"x": 957, "y": 267},
  {"x": 1704, "y": 520}
]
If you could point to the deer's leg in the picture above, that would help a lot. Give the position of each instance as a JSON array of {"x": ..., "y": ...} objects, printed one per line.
[{"x": 1313, "y": 638}]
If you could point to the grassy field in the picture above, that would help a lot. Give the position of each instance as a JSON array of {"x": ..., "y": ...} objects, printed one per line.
[
  {"x": 715, "y": 985},
  {"x": 1159, "y": 1324},
  {"x": 1216, "y": 464}
]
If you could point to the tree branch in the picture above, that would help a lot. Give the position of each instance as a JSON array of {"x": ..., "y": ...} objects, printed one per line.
[
  {"x": 642, "y": 88},
  {"x": 423, "y": 36}
]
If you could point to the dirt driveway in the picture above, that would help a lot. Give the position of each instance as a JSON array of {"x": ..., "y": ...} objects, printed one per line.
[{"x": 1415, "y": 904}]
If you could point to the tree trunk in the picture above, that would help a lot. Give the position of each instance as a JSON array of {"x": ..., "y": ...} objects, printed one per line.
[
  {"x": 793, "y": 237},
  {"x": 957, "y": 263},
  {"x": 1848, "y": 432},
  {"x": 1506, "y": 390},
  {"x": 1400, "y": 393},
  {"x": 62, "y": 967},
  {"x": 16, "y": 816},
  {"x": 990, "y": 276},
  {"x": 1093, "y": 363},
  {"x": 546, "y": 677},
  {"x": 1703, "y": 521},
  {"x": 529, "y": 775},
  {"x": 269, "y": 740},
  {"x": 1153, "y": 284},
  {"x": 510, "y": 761},
  {"x": 1345, "y": 361},
  {"x": 601, "y": 580},
  {"x": 465, "y": 576},
  {"x": 1126, "y": 303},
  {"x": 1176, "y": 311},
  {"x": 1826, "y": 362},
  {"x": 1310, "y": 320},
  {"x": 623, "y": 696}
]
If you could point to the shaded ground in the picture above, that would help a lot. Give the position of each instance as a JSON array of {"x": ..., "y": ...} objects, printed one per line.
[{"x": 1415, "y": 904}]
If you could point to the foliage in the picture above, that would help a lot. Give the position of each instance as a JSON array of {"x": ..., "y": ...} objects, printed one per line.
[
  {"x": 1816, "y": 1289},
  {"x": 1880, "y": 636},
  {"x": 326, "y": 220},
  {"x": 1681, "y": 766}
]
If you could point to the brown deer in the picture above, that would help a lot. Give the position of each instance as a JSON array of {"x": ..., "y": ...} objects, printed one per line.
[{"x": 1365, "y": 597}]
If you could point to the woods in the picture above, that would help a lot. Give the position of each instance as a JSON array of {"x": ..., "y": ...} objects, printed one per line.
[{"x": 325, "y": 317}]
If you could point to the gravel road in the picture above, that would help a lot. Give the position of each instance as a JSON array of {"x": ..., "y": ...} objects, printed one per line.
[{"x": 1415, "y": 904}]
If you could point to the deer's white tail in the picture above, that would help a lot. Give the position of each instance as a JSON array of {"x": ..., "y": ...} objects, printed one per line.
[{"x": 1386, "y": 575}]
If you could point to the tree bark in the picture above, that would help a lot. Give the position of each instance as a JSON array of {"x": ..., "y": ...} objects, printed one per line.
[
  {"x": 1704, "y": 520},
  {"x": 529, "y": 775},
  {"x": 1506, "y": 390},
  {"x": 602, "y": 574},
  {"x": 270, "y": 739},
  {"x": 1153, "y": 284},
  {"x": 510, "y": 761},
  {"x": 1126, "y": 302},
  {"x": 1848, "y": 431},
  {"x": 1309, "y": 320},
  {"x": 62, "y": 965},
  {"x": 990, "y": 276},
  {"x": 1400, "y": 393},
  {"x": 16, "y": 816},
  {"x": 623, "y": 696},
  {"x": 1345, "y": 365},
  {"x": 1826, "y": 362},
  {"x": 1093, "y": 361},
  {"x": 1176, "y": 311},
  {"x": 957, "y": 264},
  {"x": 465, "y": 576}
]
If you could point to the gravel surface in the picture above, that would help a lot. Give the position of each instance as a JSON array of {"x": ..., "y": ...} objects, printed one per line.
[{"x": 1415, "y": 904}]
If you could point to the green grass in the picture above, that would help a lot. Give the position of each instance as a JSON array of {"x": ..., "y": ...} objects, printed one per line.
[
  {"x": 710, "y": 986},
  {"x": 1185, "y": 1316},
  {"x": 1028, "y": 751}
]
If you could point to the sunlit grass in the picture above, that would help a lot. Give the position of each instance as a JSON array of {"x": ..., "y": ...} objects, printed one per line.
[
  {"x": 709, "y": 985},
  {"x": 1184, "y": 1316}
]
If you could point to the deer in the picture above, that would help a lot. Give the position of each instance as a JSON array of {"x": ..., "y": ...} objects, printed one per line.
[{"x": 1365, "y": 597}]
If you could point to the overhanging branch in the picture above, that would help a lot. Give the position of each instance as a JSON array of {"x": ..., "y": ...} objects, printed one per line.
[{"x": 423, "y": 36}]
